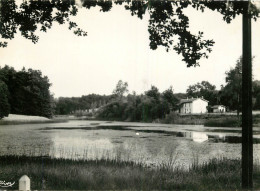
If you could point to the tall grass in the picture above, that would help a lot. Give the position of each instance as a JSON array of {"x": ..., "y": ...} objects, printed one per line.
[{"x": 112, "y": 174}]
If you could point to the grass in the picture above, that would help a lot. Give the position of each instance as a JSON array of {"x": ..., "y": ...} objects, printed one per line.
[
  {"x": 230, "y": 121},
  {"x": 219, "y": 119},
  {"x": 112, "y": 174},
  {"x": 174, "y": 118},
  {"x": 223, "y": 122}
]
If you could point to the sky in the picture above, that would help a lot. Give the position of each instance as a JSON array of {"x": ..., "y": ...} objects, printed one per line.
[{"x": 117, "y": 48}]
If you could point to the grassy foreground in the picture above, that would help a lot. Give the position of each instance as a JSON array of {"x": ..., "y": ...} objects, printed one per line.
[{"x": 61, "y": 174}]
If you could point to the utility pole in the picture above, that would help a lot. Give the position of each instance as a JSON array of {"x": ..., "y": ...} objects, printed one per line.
[{"x": 247, "y": 130}]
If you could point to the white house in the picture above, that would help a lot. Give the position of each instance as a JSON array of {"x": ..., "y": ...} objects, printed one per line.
[
  {"x": 219, "y": 109},
  {"x": 193, "y": 105}
]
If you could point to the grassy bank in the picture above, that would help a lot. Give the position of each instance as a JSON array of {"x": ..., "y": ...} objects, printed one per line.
[
  {"x": 61, "y": 174},
  {"x": 174, "y": 118},
  {"x": 20, "y": 122},
  {"x": 223, "y": 122},
  {"x": 230, "y": 121},
  {"x": 14, "y": 119},
  {"x": 208, "y": 120},
  {"x": 203, "y": 119}
]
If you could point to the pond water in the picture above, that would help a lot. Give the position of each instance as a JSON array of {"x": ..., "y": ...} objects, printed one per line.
[{"x": 148, "y": 143}]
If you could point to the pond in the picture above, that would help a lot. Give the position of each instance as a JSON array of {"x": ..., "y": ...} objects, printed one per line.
[{"x": 148, "y": 143}]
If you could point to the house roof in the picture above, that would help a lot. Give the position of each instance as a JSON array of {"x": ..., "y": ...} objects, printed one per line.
[{"x": 191, "y": 100}]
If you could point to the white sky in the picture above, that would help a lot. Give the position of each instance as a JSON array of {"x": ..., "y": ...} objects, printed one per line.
[{"x": 117, "y": 47}]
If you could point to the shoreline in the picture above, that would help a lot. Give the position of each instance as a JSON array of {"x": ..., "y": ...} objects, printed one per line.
[
  {"x": 14, "y": 119},
  {"x": 205, "y": 120}
]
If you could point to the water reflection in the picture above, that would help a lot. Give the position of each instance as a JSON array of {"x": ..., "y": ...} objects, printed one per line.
[
  {"x": 195, "y": 136},
  {"x": 147, "y": 143},
  {"x": 215, "y": 138}
]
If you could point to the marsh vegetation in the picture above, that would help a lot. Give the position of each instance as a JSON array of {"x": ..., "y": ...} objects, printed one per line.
[{"x": 113, "y": 174}]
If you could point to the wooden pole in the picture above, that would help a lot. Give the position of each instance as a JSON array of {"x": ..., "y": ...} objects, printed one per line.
[{"x": 247, "y": 136}]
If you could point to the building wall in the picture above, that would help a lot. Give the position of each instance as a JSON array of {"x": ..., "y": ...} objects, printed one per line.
[
  {"x": 215, "y": 110},
  {"x": 220, "y": 109},
  {"x": 199, "y": 106},
  {"x": 186, "y": 108}
]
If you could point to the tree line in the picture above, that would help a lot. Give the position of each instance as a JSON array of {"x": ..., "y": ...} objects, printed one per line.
[
  {"x": 25, "y": 92},
  {"x": 69, "y": 105},
  {"x": 152, "y": 104},
  {"x": 145, "y": 107}
]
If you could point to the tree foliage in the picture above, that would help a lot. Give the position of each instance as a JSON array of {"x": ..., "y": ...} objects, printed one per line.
[
  {"x": 231, "y": 93},
  {"x": 204, "y": 89},
  {"x": 170, "y": 100},
  {"x": 28, "y": 91},
  {"x": 4, "y": 104},
  {"x": 121, "y": 89},
  {"x": 146, "y": 107},
  {"x": 168, "y": 25},
  {"x": 69, "y": 105},
  {"x": 256, "y": 94}
]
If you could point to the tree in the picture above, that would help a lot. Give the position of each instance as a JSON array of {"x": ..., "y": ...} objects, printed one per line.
[
  {"x": 231, "y": 94},
  {"x": 205, "y": 90},
  {"x": 257, "y": 102},
  {"x": 169, "y": 100},
  {"x": 153, "y": 93},
  {"x": 4, "y": 104},
  {"x": 28, "y": 91},
  {"x": 256, "y": 94},
  {"x": 121, "y": 89}
]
